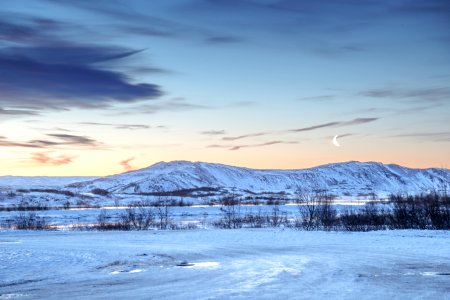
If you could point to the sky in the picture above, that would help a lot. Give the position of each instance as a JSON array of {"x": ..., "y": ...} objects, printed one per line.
[{"x": 102, "y": 87}]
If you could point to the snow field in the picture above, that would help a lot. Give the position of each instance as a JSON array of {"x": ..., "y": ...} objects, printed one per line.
[{"x": 227, "y": 264}]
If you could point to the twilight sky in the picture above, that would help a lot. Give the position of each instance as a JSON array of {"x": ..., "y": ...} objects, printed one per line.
[{"x": 99, "y": 87}]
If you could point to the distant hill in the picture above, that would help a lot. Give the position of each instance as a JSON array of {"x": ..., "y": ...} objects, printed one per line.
[
  {"x": 40, "y": 181},
  {"x": 340, "y": 179}
]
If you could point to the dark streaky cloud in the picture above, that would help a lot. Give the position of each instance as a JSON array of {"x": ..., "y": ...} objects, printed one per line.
[
  {"x": 45, "y": 70},
  {"x": 238, "y": 147},
  {"x": 220, "y": 40},
  {"x": 74, "y": 139},
  {"x": 234, "y": 138},
  {"x": 17, "y": 112},
  {"x": 4, "y": 142},
  {"x": 441, "y": 93},
  {"x": 356, "y": 121},
  {"x": 54, "y": 85},
  {"x": 59, "y": 140},
  {"x": 260, "y": 145},
  {"x": 331, "y": 124}
]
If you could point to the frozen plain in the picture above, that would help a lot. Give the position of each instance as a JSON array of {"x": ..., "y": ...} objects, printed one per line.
[{"x": 227, "y": 264}]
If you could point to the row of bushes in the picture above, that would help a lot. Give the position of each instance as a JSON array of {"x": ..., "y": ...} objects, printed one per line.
[
  {"x": 25, "y": 206},
  {"x": 137, "y": 217},
  {"x": 404, "y": 212},
  {"x": 27, "y": 221},
  {"x": 317, "y": 212},
  {"x": 50, "y": 191}
]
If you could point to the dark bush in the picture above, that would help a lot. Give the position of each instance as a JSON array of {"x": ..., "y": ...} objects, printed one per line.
[
  {"x": 29, "y": 221},
  {"x": 100, "y": 192}
]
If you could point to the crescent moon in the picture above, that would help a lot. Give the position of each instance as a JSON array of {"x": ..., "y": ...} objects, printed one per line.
[{"x": 335, "y": 142}]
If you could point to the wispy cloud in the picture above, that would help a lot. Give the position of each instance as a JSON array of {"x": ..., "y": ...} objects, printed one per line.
[
  {"x": 171, "y": 105},
  {"x": 320, "y": 98},
  {"x": 4, "y": 142},
  {"x": 443, "y": 136},
  {"x": 221, "y": 40},
  {"x": 213, "y": 132},
  {"x": 411, "y": 94},
  {"x": 356, "y": 121},
  {"x": 56, "y": 141},
  {"x": 261, "y": 144},
  {"x": 240, "y": 137},
  {"x": 17, "y": 112},
  {"x": 330, "y": 124},
  {"x": 144, "y": 23},
  {"x": 345, "y": 135},
  {"x": 126, "y": 163},
  {"x": 238, "y": 147},
  {"x": 118, "y": 126},
  {"x": 423, "y": 7},
  {"x": 45, "y": 158},
  {"x": 69, "y": 139}
]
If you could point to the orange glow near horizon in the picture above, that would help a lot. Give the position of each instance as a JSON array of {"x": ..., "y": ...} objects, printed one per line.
[{"x": 103, "y": 163}]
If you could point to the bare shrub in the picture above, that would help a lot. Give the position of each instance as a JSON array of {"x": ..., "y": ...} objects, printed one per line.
[
  {"x": 370, "y": 217},
  {"x": 277, "y": 217},
  {"x": 438, "y": 210},
  {"x": 409, "y": 213},
  {"x": 231, "y": 213},
  {"x": 255, "y": 220},
  {"x": 164, "y": 213},
  {"x": 140, "y": 218},
  {"x": 315, "y": 208},
  {"x": 100, "y": 192},
  {"x": 29, "y": 221},
  {"x": 431, "y": 211},
  {"x": 326, "y": 213}
]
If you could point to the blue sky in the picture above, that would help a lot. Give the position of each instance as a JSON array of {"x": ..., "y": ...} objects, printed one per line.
[{"x": 98, "y": 87}]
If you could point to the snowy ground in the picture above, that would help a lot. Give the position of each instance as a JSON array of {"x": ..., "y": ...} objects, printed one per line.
[{"x": 236, "y": 264}]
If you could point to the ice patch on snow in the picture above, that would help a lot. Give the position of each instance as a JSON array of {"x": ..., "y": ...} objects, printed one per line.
[
  {"x": 135, "y": 271},
  {"x": 435, "y": 273},
  {"x": 252, "y": 274},
  {"x": 124, "y": 271},
  {"x": 13, "y": 296},
  {"x": 205, "y": 264}
]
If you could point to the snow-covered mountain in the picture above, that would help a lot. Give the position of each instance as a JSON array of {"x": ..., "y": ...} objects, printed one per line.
[
  {"x": 7, "y": 182},
  {"x": 339, "y": 179}
]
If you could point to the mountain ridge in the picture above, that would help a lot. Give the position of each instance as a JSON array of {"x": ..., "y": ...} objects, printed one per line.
[{"x": 340, "y": 179}]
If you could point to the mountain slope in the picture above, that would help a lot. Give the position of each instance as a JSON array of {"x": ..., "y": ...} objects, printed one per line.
[
  {"x": 340, "y": 179},
  {"x": 40, "y": 181}
]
